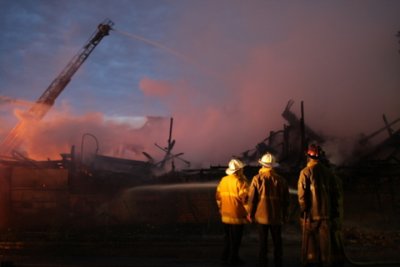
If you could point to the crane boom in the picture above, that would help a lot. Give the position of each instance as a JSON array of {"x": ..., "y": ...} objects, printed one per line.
[{"x": 47, "y": 99}]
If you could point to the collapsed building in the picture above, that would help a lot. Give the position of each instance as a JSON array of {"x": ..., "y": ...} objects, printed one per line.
[{"x": 104, "y": 190}]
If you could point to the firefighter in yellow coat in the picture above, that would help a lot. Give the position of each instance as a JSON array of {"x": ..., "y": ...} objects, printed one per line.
[
  {"x": 231, "y": 197},
  {"x": 317, "y": 195}
]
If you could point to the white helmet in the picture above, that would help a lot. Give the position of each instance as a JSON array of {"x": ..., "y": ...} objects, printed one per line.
[
  {"x": 234, "y": 166},
  {"x": 268, "y": 160}
]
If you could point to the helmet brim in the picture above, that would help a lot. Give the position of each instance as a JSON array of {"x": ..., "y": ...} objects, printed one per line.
[{"x": 269, "y": 165}]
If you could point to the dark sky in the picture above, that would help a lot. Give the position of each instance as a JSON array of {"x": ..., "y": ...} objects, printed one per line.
[{"x": 223, "y": 69}]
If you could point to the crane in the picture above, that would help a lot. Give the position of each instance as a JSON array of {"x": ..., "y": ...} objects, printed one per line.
[{"x": 44, "y": 103}]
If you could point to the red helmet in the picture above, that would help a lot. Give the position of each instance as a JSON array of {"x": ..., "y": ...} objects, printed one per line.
[{"x": 313, "y": 151}]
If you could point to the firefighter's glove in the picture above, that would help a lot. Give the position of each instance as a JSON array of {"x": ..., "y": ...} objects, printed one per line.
[{"x": 249, "y": 218}]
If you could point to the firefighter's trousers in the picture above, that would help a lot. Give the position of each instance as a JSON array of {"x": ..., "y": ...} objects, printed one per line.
[
  {"x": 276, "y": 234},
  {"x": 232, "y": 240},
  {"x": 316, "y": 244}
]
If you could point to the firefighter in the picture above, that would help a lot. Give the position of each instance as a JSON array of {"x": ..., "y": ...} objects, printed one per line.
[
  {"x": 231, "y": 197},
  {"x": 318, "y": 201},
  {"x": 268, "y": 206}
]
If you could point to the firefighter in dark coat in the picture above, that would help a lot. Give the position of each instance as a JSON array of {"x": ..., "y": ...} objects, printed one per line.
[
  {"x": 318, "y": 201},
  {"x": 268, "y": 206}
]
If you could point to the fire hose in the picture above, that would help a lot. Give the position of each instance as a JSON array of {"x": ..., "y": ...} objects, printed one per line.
[
  {"x": 342, "y": 250},
  {"x": 358, "y": 263}
]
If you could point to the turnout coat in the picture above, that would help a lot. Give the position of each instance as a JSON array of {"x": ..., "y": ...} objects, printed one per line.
[
  {"x": 268, "y": 197},
  {"x": 231, "y": 197}
]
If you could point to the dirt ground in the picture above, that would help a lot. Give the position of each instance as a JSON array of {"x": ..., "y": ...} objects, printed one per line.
[
  {"x": 371, "y": 234},
  {"x": 168, "y": 246}
]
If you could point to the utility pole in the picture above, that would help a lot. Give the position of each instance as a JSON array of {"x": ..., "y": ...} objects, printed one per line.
[{"x": 398, "y": 35}]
